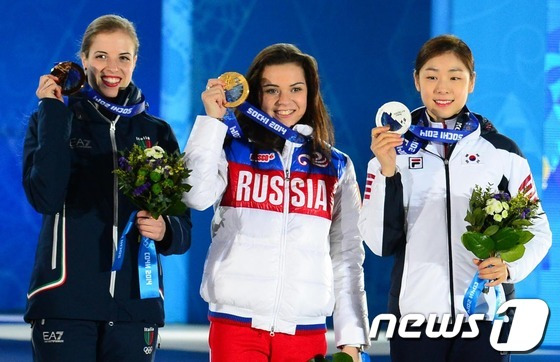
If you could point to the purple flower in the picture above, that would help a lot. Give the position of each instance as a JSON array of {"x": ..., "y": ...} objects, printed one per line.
[
  {"x": 124, "y": 165},
  {"x": 502, "y": 196},
  {"x": 140, "y": 189},
  {"x": 525, "y": 213}
]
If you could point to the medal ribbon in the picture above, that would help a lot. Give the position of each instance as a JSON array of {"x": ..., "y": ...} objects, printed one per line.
[
  {"x": 148, "y": 269},
  {"x": 125, "y": 111},
  {"x": 271, "y": 124},
  {"x": 147, "y": 261},
  {"x": 264, "y": 120},
  {"x": 422, "y": 134},
  {"x": 473, "y": 293},
  {"x": 231, "y": 122},
  {"x": 119, "y": 255}
]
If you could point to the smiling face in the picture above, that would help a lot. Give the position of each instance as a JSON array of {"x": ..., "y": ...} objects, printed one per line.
[
  {"x": 284, "y": 92},
  {"x": 444, "y": 83},
  {"x": 110, "y": 62}
]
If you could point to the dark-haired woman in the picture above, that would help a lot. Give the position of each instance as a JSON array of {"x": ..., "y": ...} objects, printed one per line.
[
  {"x": 286, "y": 252},
  {"x": 415, "y": 204}
]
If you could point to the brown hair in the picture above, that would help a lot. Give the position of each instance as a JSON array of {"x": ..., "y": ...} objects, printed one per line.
[
  {"x": 108, "y": 24},
  {"x": 443, "y": 44},
  {"x": 316, "y": 114}
]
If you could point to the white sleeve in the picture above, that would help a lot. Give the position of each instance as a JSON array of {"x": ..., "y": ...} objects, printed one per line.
[
  {"x": 371, "y": 216},
  {"x": 350, "y": 316},
  {"x": 205, "y": 157}
]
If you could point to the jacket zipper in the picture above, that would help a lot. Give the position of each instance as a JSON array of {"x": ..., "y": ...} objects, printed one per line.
[
  {"x": 115, "y": 228},
  {"x": 449, "y": 244},
  {"x": 279, "y": 288}
]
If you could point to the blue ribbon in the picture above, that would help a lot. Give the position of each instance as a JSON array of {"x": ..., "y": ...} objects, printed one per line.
[
  {"x": 147, "y": 261},
  {"x": 271, "y": 123},
  {"x": 423, "y": 134},
  {"x": 148, "y": 269},
  {"x": 473, "y": 293},
  {"x": 231, "y": 122},
  {"x": 264, "y": 120},
  {"x": 125, "y": 111},
  {"x": 119, "y": 256}
]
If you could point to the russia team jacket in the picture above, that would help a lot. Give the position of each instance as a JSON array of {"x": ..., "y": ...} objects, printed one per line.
[
  {"x": 418, "y": 216},
  {"x": 70, "y": 153},
  {"x": 286, "y": 250}
]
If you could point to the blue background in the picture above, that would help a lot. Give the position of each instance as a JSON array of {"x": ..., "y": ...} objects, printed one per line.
[{"x": 365, "y": 51}]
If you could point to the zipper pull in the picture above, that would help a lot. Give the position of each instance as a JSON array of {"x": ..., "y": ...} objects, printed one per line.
[
  {"x": 112, "y": 128},
  {"x": 287, "y": 175},
  {"x": 272, "y": 332}
]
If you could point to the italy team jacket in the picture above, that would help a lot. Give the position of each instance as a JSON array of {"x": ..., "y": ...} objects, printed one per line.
[
  {"x": 286, "y": 251},
  {"x": 418, "y": 217},
  {"x": 69, "y": 156}
]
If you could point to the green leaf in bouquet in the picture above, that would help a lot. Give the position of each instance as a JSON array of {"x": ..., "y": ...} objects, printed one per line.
[
  {"x": 479, "y": 216},
  {"x": 505, "y": 239},
  {"x": 470, "y": 217},
  {"x": 342, "y": 357},
  {"x": 513, "y": 254},
  {"x": 177, "y": 208},
  {"x": 140, "y": 181},
  {"x": 491, "y": 230},
  {"x": 524, "y": 236},
  {"x": 480, "y": 245},
  {"x": 337, "y": 357},
  {"x": 522, "y": 222}
]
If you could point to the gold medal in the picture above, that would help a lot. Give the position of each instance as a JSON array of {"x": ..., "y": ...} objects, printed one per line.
[{"x": 237, "y": 88}]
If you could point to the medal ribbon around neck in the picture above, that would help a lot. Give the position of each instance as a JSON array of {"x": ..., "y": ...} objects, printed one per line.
[
  {"x": 125, "y": 111},
  {"x": 423, "y": 134},
  {"x": 237, "y": 90}
]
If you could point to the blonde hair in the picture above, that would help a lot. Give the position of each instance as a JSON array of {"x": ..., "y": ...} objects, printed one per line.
[{"x": 108, "y": 24}]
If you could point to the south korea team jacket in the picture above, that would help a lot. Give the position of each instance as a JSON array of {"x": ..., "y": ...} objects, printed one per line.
[
  {"x": 285, "y": 248},
  {"x": 70, "y": 153},
  {"x": 418, "y": 217}
]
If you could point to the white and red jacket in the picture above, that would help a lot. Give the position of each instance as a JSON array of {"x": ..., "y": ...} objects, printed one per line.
[
  {"x": 418, "y": 216},
  {"x": 286, "y": 250}
]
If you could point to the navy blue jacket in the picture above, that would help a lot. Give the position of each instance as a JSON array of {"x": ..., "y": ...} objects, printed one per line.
[{"x": 70, "y": 153}]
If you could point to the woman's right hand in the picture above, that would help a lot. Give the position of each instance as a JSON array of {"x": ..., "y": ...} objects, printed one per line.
[
  {"x": 383, "y": 145},
  {"x": 214, "y": 98},
  {"x": 48, "y": 88}
]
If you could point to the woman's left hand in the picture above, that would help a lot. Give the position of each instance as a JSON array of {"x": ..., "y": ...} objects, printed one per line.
[
  {"x": 150, "y": 227},
  {"x": 493, "y": 269},
  {"x": 353, "y": 352}
]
